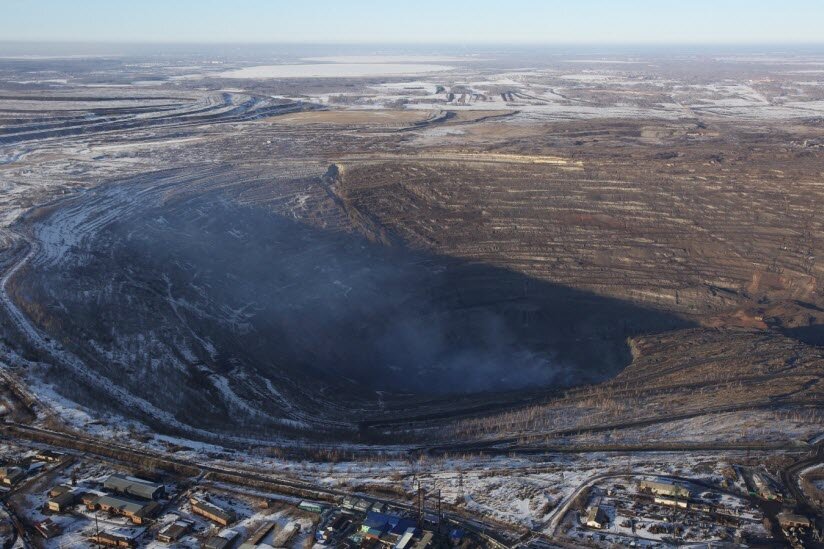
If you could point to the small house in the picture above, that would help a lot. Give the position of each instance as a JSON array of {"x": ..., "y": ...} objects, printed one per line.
[
  {"x": 61, "y": 502},
  {"x": 49, "y": 456},
  {"x": 791, "y": 520},
  {"x": 223, "y": 540},
  {"x": 47, "y": 528},
  {"x": 112, "y": 540},
  {"x": 59, "y": 489},
  {"x": 596, "y": 518},
  {"x": 212, "y": 512},
  {"x": 257, "y": 537},
  {"x": 11, "y": 475},
  {"x": 174, "y": 531},
  {"x": 670, "y": 502}
]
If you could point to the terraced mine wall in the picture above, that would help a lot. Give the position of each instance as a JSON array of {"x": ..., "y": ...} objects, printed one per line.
[{"x": 210, "y": 307}]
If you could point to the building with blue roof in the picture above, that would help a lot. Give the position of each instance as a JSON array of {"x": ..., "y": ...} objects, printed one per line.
[{"x": 377, "y": 524}]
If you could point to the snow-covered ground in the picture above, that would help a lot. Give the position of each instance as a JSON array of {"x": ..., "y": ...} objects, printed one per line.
[
  {"x": 520, "y": 491},
  {"x": 740, "y": 426}
]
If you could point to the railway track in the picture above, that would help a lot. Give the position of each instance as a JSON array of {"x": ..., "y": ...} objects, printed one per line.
[
  {"x": 183, "y": 467},
  {"x": 111, "y": 450}
]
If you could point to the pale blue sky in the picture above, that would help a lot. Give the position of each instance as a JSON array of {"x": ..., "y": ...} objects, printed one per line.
[{"x": 421, "y": 21}]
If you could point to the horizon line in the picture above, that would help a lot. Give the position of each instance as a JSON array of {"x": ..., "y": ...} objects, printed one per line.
[{"x": 416, "y": 43}]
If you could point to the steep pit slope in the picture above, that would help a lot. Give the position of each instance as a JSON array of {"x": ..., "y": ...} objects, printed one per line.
[{"x": 686, "y": 236}]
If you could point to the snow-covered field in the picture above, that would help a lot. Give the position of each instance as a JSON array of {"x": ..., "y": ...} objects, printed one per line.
[
  {"x": 520, "y": 491},
  {"x": 742, "y": 426}
]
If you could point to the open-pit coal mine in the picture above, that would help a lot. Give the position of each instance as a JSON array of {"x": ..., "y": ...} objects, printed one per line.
[
  {"x": 401, "y": 295},
  {"x": 214, "y": 293},
  {"x": 505, "y": 257}
]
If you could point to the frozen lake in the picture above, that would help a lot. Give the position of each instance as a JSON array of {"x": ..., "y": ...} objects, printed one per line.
[
  {"x": 333, "y": 70},
  {"x": 388, "y": 59}
]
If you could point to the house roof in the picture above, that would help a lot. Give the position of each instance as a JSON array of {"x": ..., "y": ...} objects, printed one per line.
[
  {"x": 213, "y": 509},
  {"x": 403, "y": 525},
  {"x": 60, "y": 489},
  {"x": 177, "y": 527},
  {"x": 596, "y": 514},
  {"x": 665, "y": 486},
  {"x": 380, "y": 521},
  {"x": 10, "y": 471},
  {"x": 122, "y": 504},
  {"x": 63, "y": 498},
  {"x": 132, "y": 486}
]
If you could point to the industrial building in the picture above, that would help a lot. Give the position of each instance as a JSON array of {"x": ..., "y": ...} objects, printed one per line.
[
  {"x": 223, "y": 540},
  {"x": 258, "y": 535},
  {"x": 670, "y": 502},
  {"x": 596, "y": 517},
  {"x": 59, "y": 489},
  {"x": 407, "y": 540},
  {"x": 132, "y": 486},
  {"x": 11, "y": 475},
  {"x": 362, "y": 505},
  {"x": 764, "y": 487},
  {"x": 311, "y": 507},
  {"x": 60, "y": 503},
  {"x": 376, "y": 525},
  {"x": 212, "y": 512},
  {"x": 789, "y": 520},
  {"x": 89, "y": 498},
  {"x": 338, "y": 523},
  {"x": 137, "y": 511},
  {"x": 174, "y": 531},
  {"x": 112, "y": 540},
  {"x": 49, "y": 456},
  {"x": 425, "y": 542},
  {"x": 665, "y": 488},
  {"x": 47, "y": 528}
]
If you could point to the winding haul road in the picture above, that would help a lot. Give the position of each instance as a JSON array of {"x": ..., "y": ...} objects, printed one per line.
[{"x": 20, "y": 320}]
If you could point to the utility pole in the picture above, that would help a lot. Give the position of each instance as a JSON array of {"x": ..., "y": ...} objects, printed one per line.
[
  {"x": 420, "y": 505},
  {"x": 440, "y": 514}
]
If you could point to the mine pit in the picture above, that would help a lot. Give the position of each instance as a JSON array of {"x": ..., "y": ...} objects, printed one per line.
[
  {"x": 235, "y": 301},
  {"x": 294, "y": 257}
]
